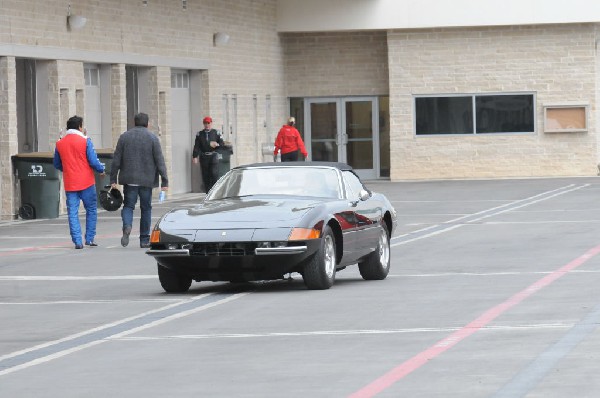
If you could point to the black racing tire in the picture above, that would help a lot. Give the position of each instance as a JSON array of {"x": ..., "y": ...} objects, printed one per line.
[
  {"x": 376, "y": 265},
  {"x": 319, "y": 273},
  {"x": 27, "y": 212},
  {"x": 172, "y": 282}
]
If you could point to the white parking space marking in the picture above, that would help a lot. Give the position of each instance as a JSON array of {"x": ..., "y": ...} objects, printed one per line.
[
  {"x": 49, "y": 351},
  {"x": 339, "y": 332},
  {"x": 481, "y": 215},
  {"x": 74, "y": 277},
  {"x": 443, "y": 274},
  {"x": 55, "y": 302}
]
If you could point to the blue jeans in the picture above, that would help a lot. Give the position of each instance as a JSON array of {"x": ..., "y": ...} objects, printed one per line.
[
  {"x": 131, "y": 193},
  {"x": 89, "y": 199}
]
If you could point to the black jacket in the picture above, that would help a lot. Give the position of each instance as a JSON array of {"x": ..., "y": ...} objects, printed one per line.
[{"x": 202, "y": 144}]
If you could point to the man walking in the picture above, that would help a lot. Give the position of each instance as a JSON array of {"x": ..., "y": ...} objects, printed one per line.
[
  {"x": 76, "y": 157},
  {"x": 207, "y": 141},
  {"x": 138, "y": 160}
]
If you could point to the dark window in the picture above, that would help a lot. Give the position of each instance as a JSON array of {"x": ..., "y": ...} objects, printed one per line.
[
  {"x": 504, "y": 113},
  {"x": 511, "y": 113},
  {"x": 444, "y": 115}
]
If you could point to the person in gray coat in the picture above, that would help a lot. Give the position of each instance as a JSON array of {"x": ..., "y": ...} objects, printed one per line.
[{"x": 138, "y": 161}]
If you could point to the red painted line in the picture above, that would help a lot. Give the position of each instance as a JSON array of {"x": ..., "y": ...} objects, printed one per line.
[
  {"x": 65, "y": 244},
  {"x": 414, "y": 363}
]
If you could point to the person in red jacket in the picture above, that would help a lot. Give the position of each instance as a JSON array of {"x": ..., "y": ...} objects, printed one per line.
[
  {"x": 289, "y": 142},
  {"x": 76, "y": 157}
]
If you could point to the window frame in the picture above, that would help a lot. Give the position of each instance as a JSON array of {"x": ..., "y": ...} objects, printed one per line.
[
  {"x": 567, "y": 105},
  {"x": 474, "y": 113}
]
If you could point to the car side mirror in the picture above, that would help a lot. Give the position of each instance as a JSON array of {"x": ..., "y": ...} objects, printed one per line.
[{"x": 364, "y": 195}]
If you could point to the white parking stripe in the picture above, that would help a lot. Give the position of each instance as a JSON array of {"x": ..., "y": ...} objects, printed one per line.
[
  {"x": 48, "y": 278},
  {"x": 51, "y": 350},
  {"x": 339, "y": 332}
]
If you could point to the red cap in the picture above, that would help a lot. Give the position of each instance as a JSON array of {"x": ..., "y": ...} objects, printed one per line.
[{"x": 207, "y": 119}]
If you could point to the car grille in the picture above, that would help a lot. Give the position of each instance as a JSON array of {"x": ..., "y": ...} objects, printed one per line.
[{"x": 223, "y": 249}]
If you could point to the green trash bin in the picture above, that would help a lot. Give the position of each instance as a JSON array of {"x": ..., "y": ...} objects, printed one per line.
[
  {"x": 224, "y": 155},
  {"x": 40, "y": 185},
  {"x": 105, "y": 156}
]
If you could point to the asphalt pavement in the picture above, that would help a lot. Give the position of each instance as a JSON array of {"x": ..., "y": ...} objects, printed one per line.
[{"x": 493, "y": 292}]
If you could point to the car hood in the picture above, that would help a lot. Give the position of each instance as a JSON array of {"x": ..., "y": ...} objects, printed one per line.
[{"x": 239, "y": 213}]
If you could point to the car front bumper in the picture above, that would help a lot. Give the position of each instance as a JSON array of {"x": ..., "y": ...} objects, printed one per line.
[{"x": 249, "y": 265}]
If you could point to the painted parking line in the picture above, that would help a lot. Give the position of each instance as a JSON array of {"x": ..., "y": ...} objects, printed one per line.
[
  {"x": 51, "y": 278},
  {"x": 527, "y": 379},
  {"x": 317, "y": 333},
  {"x": 56, "y": 349},
  {"x": 421, "y": 359},
  {"x": 459, "y": 222}
]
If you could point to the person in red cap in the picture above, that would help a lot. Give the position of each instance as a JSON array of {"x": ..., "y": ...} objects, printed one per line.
[
  {"x": 289, "y": 141},
  {"x": 207, "y": 141}
]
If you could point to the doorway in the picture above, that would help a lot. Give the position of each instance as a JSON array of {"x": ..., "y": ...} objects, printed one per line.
[{"x": 344, "y": 130}]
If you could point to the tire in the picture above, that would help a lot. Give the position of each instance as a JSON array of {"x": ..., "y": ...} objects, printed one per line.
[
  {"x": 319, "y": 274},
  {"x": 376, "y": 265},
  {"x": 173, "y": 282},
  {"x": 27, "y": 212}
]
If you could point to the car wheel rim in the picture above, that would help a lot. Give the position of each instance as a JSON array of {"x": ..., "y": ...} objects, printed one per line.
[
  {"x": 384, "y": 249},
  {"x": 329, "y": 256}
]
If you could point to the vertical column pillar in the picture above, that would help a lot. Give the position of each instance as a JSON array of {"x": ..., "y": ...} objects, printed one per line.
[
  {"x": 8, "y": 137},
  {"x": 118, "y": 105}
]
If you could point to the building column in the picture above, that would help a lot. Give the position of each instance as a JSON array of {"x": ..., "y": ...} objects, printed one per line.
[
  {"x": 118, "y": 106},
  {"x": 8, "y": 137}
]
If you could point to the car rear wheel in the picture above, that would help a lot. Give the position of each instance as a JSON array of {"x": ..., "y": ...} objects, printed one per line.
[
  {"x": 377, "y": 264},
  {"x": 173, "y": 282},
  {"x": 320, "y": 272}
]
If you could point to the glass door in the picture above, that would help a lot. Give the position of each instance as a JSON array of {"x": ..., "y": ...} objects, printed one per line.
[
  {"x": 343, "y": 130},
  {"x": 323, "y": 130},
  {"x": 358, "y": 138}
]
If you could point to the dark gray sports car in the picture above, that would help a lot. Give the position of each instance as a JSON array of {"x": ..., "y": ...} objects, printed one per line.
[{"x": 263, "y": 221}]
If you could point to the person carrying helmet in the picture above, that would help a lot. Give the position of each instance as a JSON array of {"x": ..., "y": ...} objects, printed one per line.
[
  {"x": 289, "y": 142},
  {"x": 205, "y": 145},
  {"x": 137, "y": 162},
  {"x": 76, "y": 157}
]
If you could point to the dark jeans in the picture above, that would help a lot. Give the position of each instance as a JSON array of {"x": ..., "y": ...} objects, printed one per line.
[
  {"x": 131, "y": 193},
  {"x": 210, "y": 170},
  {"x": 289, "y": 157}
]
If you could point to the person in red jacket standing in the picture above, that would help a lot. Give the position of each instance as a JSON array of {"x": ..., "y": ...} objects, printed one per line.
[
  {"x": 289, "y": 141},
  {"x": 76, "y": 157}
]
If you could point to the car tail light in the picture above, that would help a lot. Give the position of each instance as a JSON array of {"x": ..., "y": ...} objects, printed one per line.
[
  {"x": 304, "y": 234},
  {"x": 155, "y": 237}
]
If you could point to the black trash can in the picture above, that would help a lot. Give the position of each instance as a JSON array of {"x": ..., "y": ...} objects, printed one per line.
[
  {"x": 224, "y": 155},
  {"x": 40, "y": 185},
  {"x": 105, "y": 156}
]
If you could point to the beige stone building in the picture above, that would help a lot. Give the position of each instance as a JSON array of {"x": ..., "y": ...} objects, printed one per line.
[{"x": 396, "y": 89}]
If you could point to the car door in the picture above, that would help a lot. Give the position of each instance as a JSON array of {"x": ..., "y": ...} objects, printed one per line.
[{"x": 367, "y": 214}]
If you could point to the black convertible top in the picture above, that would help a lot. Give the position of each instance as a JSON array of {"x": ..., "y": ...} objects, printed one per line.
[{"x": 337, "y": 165}]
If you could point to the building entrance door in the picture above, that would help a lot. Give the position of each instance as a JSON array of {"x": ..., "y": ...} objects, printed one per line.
[{"x": 344, "y": 130}]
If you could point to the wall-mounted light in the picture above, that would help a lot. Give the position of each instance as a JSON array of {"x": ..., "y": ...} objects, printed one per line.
[
  {"x": 220, "y": 39},
  {"x": 75, "y": 22}
]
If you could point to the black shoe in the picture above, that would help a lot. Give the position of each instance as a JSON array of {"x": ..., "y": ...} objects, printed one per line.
[
  {"x": 125, "y": 237},
  {"x": 91, "y": 244},
  {"x": 144, "y": 245},
  {"x": 79, "y": 246}
]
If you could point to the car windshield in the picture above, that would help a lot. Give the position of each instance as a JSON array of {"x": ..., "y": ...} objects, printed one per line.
[{"x": 296, "y": 181}]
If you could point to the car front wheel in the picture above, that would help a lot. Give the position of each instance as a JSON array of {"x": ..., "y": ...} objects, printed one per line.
[
  {"x": 320, "y": 272},
  {"x": 173, "y": 282},
  {"x": 377, "y": 264}
]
